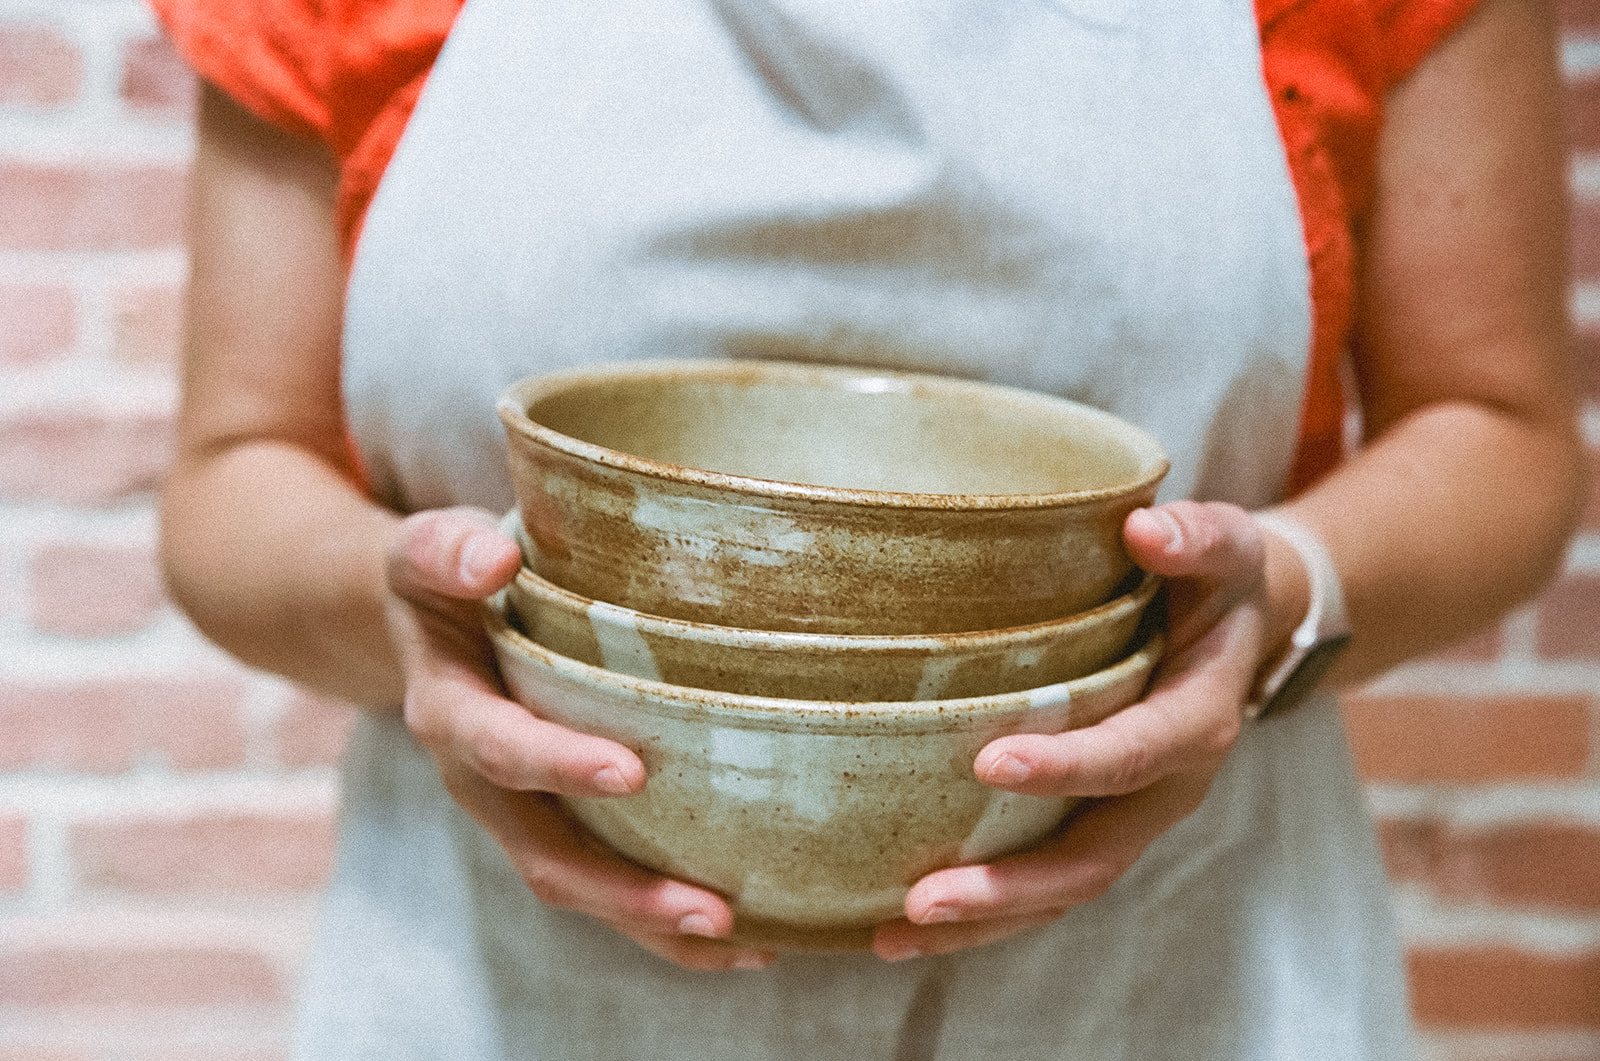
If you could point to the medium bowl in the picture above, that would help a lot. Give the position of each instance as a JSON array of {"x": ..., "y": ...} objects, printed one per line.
[
  {"x": 802, "y": 666},
  {"x": 812, "y": 818},
  {"x": 832, "y": 500}
]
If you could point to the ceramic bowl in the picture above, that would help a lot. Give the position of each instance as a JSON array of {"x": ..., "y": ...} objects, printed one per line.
[
  {"x": 831, "y": 500},
  {"x": 812, "y": 818},
  {"x": 802, "y": 666}
]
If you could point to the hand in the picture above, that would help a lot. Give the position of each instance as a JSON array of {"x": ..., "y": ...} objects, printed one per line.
[
  {"x": 502, "y": 763},
  {"x": 1148, "y": 766}
]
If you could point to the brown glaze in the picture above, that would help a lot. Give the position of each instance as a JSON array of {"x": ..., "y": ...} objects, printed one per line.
[
  {"x": 808, "y": 666},
  {"x": 831, "y": 500}
]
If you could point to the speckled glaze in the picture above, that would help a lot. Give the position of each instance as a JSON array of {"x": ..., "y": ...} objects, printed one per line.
[
  {"x": 831, "y": 500},
  {"x": 801, "y": 666},
  {"x": 813, "y": 818}
]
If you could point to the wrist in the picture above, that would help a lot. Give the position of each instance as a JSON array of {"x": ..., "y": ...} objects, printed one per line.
[
  {"x": 1287, "y": 590},
  {"x": 355, "y": 635},
  {"x": 1306, "y": 623}
]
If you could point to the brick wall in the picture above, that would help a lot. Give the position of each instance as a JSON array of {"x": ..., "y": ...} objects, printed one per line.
[{"x": 166, "y": 817}]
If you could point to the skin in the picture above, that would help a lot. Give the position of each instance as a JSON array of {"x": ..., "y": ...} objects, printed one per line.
[{"x": 1467, "y": 490}]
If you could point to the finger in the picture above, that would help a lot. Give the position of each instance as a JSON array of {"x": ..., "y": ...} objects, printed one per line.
[
  {"x": 1194, "y": 539},
  {"x": 1079, "y": 865},
  {"x": 459, "y": 553},
  {"x": 1190, "y": 716},
  {"x": 704, "y": 955},
  {"x": 565, "y": 866},
  {"x": 457, "y": 715},
  {"x": 897, "y": 941}
]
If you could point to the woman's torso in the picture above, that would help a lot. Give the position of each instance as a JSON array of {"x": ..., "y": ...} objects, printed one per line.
[{"x": 1084, "y": 197}]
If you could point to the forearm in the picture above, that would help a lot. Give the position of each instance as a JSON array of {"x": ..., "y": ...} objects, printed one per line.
[
  {"x": 278, "y": 558},
  {"x": 1452, "y": 516}
]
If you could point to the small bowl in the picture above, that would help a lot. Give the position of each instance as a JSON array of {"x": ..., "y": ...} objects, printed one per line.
[
  {"x": 812, "y": 818},
  {"x": 830, "y": 500},
  {"x": 800, "y": 666}
]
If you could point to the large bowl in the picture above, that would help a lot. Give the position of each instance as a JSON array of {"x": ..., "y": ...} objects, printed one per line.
[
  {"x": 832, "y": 500},
  {"x": 812, "y": 818},
  {"x": 802, "y": 666}
]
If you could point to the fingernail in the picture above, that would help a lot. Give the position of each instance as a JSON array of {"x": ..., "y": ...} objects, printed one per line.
[
  {"x": 752, "y": 960},
  {"x": 697, "y": 925},
  {"x": 939, "y": 913},
  {"x": 898, "y": 952},
  {"x": 610, "y": 779},
  {"x": 1173, "y": 528},
  {"x": 477, "y": 558},
  {"x": 1008, "y": 770}
]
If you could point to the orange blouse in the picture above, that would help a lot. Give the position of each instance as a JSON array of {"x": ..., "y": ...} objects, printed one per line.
[{"x": 348, "y": 73}]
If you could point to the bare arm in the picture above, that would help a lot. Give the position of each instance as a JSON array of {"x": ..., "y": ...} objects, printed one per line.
[
  {"x": 1459, "y": 506},
  {"x": 1462, "y": 502},
  {"x": 268, "y": 542}
]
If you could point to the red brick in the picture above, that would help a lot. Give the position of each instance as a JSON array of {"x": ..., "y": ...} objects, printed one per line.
[
  {"x": 1441, "y": 739},
  {"x": 36, "y": 323},
  {"x": 81, "y": 590},
  {"x": 107, "y": 726},
  {"x": 1579, "y": 16},
  {"x": 90, "y": 207},
  {"x": 1497, "y": 988},
  {"x": 1585, "y": 234},
  {"x": 39, "y": 66},
  {"x": 148, "y": 325},
  {"x": 13, "y": 853},
  {"x": 1591, "y": 507},
  {"x": 1408, "y": 848},
  {"x": 1583, "y": 113},
  {"x": 1534, "y": 864},
  {"x": 1569, "y": 619},
  {"x": 155, "y": 79},
  {"x": 176, "y": 975},
  {"x": 314, "y": 730},
  {"x": 1586, "y": 358},
  {"x": 82, "y": 456},
  {"x": 247, "y": 853}
]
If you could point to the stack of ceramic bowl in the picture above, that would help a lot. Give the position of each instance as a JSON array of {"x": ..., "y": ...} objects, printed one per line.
[{"x": 807, "y": 597}]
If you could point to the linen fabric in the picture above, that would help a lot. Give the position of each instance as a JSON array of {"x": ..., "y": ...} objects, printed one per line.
[{"x": 348, "y": 72}]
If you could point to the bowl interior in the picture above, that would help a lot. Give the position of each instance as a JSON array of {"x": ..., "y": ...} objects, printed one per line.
[{"x": 853, "y": 430}]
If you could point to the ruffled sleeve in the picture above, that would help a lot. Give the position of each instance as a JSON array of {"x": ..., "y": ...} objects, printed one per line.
[
  {"x": 345, "y": 72},
  {"x": 269, "y": 55},
  {"x": 1410, "y": 29}
]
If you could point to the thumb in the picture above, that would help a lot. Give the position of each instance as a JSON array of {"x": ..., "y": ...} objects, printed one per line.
[
  {"x": 1209, "y": 540},
  {"x": 459, "y": 553},
  {"x": 1211, "y": 553}
]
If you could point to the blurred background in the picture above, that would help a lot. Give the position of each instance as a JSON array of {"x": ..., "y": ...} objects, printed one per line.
[{"x": 167, "y": 817}]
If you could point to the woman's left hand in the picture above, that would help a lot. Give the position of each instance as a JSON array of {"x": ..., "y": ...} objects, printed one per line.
[{"x": 1146, "y": 767}]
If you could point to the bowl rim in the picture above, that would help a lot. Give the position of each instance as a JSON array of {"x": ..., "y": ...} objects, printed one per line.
[
  {"x": 512, "y": 408},
  {"x": 662, "y": 698}
]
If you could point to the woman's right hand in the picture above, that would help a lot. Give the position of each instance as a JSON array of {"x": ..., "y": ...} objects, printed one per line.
[{"x": 504, "y": 765}]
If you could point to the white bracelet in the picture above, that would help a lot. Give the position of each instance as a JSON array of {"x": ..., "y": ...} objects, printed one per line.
[{"x": 1321, "y": 635}]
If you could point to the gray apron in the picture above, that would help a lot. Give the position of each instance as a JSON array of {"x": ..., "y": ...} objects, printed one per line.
[{"x": 1087, "y": 197}]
